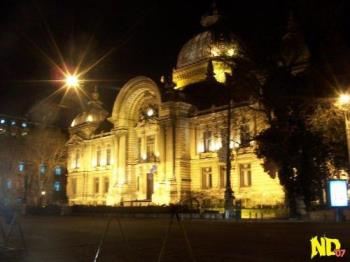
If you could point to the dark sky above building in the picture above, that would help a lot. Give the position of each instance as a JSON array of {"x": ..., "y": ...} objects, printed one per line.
[{"x": 140, "y": 38}]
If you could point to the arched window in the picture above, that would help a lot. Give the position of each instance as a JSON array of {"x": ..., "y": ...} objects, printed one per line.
[
  {"x": 207, "y": 140},
  {"x": 98, "y": 156},
  {"x": 108, "y": 155},
  {"x": 244, "y": 134},
  {"x": 77, "y": 159}
]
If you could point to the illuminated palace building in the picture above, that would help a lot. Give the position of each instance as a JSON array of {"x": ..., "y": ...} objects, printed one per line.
[{"x": 163, "y": 143}]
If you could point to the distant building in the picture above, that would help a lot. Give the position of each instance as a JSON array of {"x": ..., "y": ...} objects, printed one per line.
[
  {"x": 13, "y": 125},
  {"x": 164, "y": 143},
  {"x": 31, "y": 169}
]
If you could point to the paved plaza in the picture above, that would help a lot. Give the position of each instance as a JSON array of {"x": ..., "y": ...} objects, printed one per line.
[{"x": 77, "y": 239}]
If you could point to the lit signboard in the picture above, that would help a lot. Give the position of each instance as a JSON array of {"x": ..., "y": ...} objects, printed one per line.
[{"x": 338, "y": 193}]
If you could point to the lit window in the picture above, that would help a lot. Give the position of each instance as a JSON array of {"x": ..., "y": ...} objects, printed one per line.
[
  {"x": 150, "y": 147},
  {"x": 42, "y": 169},
  {"x": 222, "y": 176},
  {"x": 245, "y": 175},
  {"x": 58, "y": 171},
  {"x": 98, "y": 156},
  {"x": 2, "y": 121},
  {"x": 77, "y": 159},
  {"x": 21, "y": 167},
  {"x": 207, "y": 181},
  {"x": 8, "y": 184},
  {"x": 96, "y": 185},
  {"x": 57, "y": 186},
  {"x": 108, "y": 156},
  {"x": 244, "y": 135},
  {"x": 106, "y": 185},
  {"x": 207, "y": 141}
]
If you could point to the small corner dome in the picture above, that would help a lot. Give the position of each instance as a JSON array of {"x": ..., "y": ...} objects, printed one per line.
[
  {"x": 208, "y": 45},
  {"x": 88, "y": 117},
  {"x": 95, "y": 113}
]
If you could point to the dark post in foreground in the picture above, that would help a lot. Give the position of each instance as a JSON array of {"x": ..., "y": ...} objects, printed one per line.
[{"x": 229, "y": 197}]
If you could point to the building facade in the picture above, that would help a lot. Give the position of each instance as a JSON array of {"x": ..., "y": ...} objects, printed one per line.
[{"x": 164, "y": 142}]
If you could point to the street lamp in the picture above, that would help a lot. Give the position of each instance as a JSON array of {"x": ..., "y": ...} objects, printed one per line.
[
  {"x": 343, "y": 103},
  {"x": 72, "y": 81}
]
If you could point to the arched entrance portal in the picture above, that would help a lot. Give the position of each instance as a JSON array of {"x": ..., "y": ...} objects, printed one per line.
[{"x": 139, "y": 138}]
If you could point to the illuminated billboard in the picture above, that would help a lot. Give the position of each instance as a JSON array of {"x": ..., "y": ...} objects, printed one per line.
[{"x": 337, "y": 193}]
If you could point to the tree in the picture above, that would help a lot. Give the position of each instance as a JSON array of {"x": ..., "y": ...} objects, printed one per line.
[
  {"x": 45, "y": 148},
  {"x": 293, "y": 150},
  {"x": 42, "y": 147}
]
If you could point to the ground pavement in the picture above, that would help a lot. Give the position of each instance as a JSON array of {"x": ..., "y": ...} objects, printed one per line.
[{"x": 77, "y": 239}]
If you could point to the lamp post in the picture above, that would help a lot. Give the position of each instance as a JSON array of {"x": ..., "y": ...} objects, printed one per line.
[
  {"x": 229, "y": 197},
  {"x": 343, "y": 103}
]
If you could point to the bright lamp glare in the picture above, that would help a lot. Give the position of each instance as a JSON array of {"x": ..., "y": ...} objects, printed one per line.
[
  {"x": 344, "y": 99},
  {"x": 72, "y": 81},
  {"x": 150, "y": 112}
]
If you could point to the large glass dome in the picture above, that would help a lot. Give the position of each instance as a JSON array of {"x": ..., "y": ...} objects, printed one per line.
[{"x": 208, "y": 45}]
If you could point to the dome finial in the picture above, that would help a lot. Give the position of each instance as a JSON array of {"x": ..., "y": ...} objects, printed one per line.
[
  {"x": 215, "y": 8},
  {"x": 213, "y": 18},
  {"x": 95, "y": 95}
]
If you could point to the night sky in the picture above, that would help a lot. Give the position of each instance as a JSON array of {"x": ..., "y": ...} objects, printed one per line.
[{"x": 144, "y": 38}]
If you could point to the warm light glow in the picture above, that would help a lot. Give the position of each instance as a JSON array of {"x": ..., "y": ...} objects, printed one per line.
[
  {"x": 220, "y": 70},
  {"x": 72, "y": 81},
  {"x": 200, "y": 148},
  {"x": 43, "y": 193},
  {"x": 217, "y": 145},
  {"x": 344, "y": 99},
  {"x": 150, "y": 112},
  {"x": 231, "y": 52},
  {"x": 89, "y": 118},
  {"x": 215, "y": 51}
]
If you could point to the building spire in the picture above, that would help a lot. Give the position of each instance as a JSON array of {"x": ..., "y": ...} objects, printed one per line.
[
  {"x": 295, "y": 52},
  {"x": 211, "y": 19},
  {"x": 95, "y": 95},
  {"x": 214, "y": 7}
]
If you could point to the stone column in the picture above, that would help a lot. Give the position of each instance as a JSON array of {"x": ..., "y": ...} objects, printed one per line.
[{"x": 122, "y": 150}]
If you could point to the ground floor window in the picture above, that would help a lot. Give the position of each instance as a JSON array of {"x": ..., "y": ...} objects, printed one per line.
[
  {"x": 222, "y": 177},
  {"x": 74, "y": 186},
  {"x": 245, "y": 175},
  {"x": 96, "y": 185},
  {"x": 207, "y": 175},
  {"x": 106, "y": 185}
]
